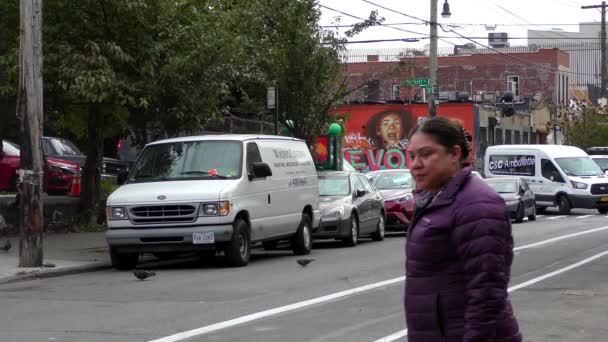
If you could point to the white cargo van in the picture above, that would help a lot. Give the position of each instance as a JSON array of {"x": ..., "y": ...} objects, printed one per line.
[
  {"x": 218, "y": 192},
  {"x": 559, "y": 175}
]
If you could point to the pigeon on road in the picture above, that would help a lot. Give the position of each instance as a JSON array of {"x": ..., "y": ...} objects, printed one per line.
[
  {"x": 7, "y": 246},
  {"x": 143, "y": 275},
  {"x": 304, "y": 262}
]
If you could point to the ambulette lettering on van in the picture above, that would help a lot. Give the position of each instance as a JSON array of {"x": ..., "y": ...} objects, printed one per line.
[
  {"x": 209, "y": 193},
  {"x": 563, "y": 176}
]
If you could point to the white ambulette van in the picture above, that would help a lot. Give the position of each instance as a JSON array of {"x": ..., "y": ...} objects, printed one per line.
[
  {"x": 559, "y": 175},
  {"x": 218, "y": 192}
]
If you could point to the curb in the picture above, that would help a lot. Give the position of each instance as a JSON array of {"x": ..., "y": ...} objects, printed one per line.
[{"x": 50, "y": 273}]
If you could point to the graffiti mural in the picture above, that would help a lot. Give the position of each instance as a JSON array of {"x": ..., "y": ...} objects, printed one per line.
[{"x": 376, "y": 136}]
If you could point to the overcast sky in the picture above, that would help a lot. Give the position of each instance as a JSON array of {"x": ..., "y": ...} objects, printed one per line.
[{"x": 508, "y": 18}]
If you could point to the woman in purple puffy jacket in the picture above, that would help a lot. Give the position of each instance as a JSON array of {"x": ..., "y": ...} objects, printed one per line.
[{"x": 459, "y": 249}]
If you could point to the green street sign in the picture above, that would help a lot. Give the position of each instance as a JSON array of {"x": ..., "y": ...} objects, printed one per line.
[{"x": 416, "y": 82}]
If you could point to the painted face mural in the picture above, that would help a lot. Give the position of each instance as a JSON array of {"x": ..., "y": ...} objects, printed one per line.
[{"x": 376, "y": 136}]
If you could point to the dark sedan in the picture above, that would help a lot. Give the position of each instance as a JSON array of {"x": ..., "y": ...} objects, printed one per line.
[
  {"x": 66, "y": 150},
  {"x": 517, "y": 195},
  {"x": 350, "y": 207},
  {"x": 396, "y": 187}
]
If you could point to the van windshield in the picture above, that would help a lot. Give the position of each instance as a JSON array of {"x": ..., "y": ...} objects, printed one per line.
[
  {"x": 189, "y": 160},
  {"x": 579, "y": 166},
  {"x": 602, "y": 162}
]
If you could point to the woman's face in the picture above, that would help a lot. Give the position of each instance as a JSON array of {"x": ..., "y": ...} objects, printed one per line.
[
  {"x": 389, "y": 129},
  {"x": 432, "y": 164}
]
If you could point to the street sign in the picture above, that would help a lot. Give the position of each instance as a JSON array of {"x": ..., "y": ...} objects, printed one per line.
[
  {"x": 416, "y": 82},
  {"x": 271, "y": 97}
]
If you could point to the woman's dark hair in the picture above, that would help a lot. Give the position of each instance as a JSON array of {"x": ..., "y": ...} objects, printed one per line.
[{"x": 447, "y": 133}]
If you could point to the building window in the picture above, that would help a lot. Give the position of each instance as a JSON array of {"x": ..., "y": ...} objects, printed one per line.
[
  {"x": 525, "y": 138},
  {"x": 498, "y": 139},
  {"x": 516, "y": 137},
  {"x": 513, "y": 85},
  {"x": 396, "y": 92},
  {"x": 372, "y": 91},
  {"x": 508, "y": 136},
  {"x": 532, "y": 138}
]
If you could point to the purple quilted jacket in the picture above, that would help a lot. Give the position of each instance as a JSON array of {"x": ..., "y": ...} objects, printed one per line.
[{"x": 458, "y": 263}]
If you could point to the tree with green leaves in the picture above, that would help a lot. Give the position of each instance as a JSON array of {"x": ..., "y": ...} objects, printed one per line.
[{"x": 588, "y": 129}]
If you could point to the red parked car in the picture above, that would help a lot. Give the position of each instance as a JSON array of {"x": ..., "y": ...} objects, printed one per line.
[
  {"x": 396, "y": 187},
  {"x": 58, "y": 174}
]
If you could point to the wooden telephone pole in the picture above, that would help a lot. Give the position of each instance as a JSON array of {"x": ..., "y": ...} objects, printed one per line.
[
  {"x": 604, "y": 71},
  {"x": 30, "y": 110}
]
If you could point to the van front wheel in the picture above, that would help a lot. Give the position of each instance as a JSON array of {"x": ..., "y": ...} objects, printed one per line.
[
  {"x": 238, "y": 249},
  {"x": 301, "y": 243},
  {"x": 564, "y": 205},
  {"x": 602, "y": 211}
]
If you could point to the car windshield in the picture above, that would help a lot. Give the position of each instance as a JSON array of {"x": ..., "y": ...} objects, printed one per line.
[
  {"x": 189, "y": 160},
  {"x": 602, "y": 163},
  {"x": 503, "y": 186},
  {"x": 393, "y": 180},
  {"x": 66, "y": 147},
  {"x": 10, "y": 148},
  {"x": 334, "y": 186},
  {"x": 579, "y": 166}
]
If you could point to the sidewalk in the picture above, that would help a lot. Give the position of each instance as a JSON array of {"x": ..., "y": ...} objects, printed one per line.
[{"x": 69, "y": 252}]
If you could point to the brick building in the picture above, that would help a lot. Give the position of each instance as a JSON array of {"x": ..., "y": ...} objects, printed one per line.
[{"x": 524, "y": 74}]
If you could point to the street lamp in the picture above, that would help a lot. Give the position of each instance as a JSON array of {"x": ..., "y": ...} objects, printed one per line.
[{"x": 433, "y": 53}]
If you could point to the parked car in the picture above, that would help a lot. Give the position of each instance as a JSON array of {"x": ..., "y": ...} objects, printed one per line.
[
  {"x": 396, "y": 187},
  {"x": 214, "y": 192},
  {"x": 58, "y": 174},
  {"x": 64, "y": 149},
  {"x": 350, "y": 207},
  {"x": 517, "y": 195}
]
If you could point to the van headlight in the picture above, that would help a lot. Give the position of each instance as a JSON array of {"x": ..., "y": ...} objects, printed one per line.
[
  {"x": 116, "y": 213},
  {"x": 579, "y": 185},
  {"x": 215, "y": 209}
]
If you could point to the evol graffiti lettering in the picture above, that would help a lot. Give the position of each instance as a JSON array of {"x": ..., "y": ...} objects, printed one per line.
[{"x": 372, "y": 160}]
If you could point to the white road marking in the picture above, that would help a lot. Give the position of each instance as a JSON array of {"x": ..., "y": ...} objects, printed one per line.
[
  {"x": 584, "y": 216},
  {"x": 544, "y": 242},
  {"x": 403, "y": 333},
  {"x": 263, "y": 314},
  {"x": 555, "y": 217},
  {"x": 271, "y": 312}
]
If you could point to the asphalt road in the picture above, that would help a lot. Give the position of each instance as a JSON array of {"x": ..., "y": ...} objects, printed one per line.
[{"x": 559, "y": 291}]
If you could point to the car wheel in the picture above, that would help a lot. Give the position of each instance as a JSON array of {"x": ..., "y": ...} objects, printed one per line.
[
  {"x": 353, "y": 232},
  {"x": 270, "y": 245},
  {"x": 12, "y": 185},
  {"x": 564, "y": 205},
  {"x": 123, "y": 261},
  {"x": 378, "y": 235},
  {"x": 301, "y": 243},
  {"x": 520, "y": 214},
  {"x": 238, "y": 249},
  {"x": 532, "y": 217},
  {"x": 602, "y": 211}
]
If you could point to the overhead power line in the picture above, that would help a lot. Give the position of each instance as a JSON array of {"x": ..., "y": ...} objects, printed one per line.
[{"x": 480, "y": 44}]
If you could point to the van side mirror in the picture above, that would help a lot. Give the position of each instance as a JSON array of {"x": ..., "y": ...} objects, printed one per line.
[
  {"x": 360, "y": 193},
  {"x": 261, "y": 170},
  {"x": 122, "y": 177}
]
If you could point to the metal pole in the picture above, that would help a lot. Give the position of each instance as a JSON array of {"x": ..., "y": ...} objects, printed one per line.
[
  {"x": 604, "y": 71},
  {"x": 433, "y": 60},
  {"x": 276, "y": 109}
]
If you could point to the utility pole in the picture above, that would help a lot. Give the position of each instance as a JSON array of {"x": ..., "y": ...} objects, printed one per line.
[
  {"x": 30, "y": 110},
  {"x": 433, "y": 88},
  {"x": 604, "y": 70},
  {"x": 433, "y": 60}
]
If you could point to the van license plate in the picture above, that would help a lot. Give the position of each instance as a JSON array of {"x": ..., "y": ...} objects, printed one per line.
[{"x": 203, "y": 238}]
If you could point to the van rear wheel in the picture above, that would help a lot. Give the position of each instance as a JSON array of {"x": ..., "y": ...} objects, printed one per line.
[
  {"x": 238, "y": 250},
  {"x": 602, "y": 211},
  {"x": 301, "y": 243},
  {"x": 564, "y": 205}
]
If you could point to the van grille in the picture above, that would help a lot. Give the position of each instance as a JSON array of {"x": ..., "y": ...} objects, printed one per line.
[
  {"x": 163, "y": 213},
  {"x": 599, "y": 189}
]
